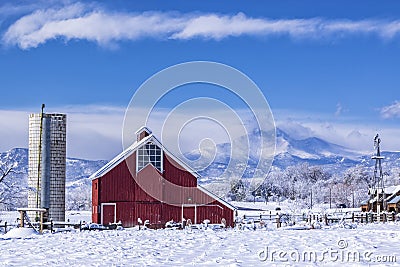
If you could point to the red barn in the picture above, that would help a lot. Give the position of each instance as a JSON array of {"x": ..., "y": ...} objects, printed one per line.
[{"x": 146, "y": 181}]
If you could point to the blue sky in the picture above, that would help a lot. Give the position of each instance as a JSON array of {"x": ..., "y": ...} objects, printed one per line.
[{"x": 327, "y": 69}]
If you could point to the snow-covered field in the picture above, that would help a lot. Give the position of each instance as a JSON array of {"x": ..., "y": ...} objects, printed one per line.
[{"x": 376, "y": 244}]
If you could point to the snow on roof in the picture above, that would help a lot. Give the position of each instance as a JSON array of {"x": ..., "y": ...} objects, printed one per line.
[
  {"x": 389, "y": 191},
  {"x": 216, "y": 197},
  {"x": 119, "y": 158},
  {"x": 394, "y": 200},
  {"x": 373, "y": 199},
  {"x": 143, "y": 128},
  {"x": 392, "y": 189},
  {"x": 131, "y": 149},
  {"x": 32, "y": 209}
]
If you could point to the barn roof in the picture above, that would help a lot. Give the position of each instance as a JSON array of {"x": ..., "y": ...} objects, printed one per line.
[
  {"x": 395, "y": 200},
  {"x": 131, "y": 149},
  {"x": 216, "y": 197}
]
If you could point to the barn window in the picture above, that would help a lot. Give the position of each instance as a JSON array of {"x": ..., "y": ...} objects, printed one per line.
[{"x": 149, "y": 154}]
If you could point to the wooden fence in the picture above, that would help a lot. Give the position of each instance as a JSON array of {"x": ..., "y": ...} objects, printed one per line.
[
  {"x": 327, "y": 219},
  {"x": 5, "y": 225},
  {"x": 49, "y": 225}
]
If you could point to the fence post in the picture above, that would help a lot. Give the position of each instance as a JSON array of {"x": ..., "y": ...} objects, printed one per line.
[
  {"x": 361, "y": 218},
  {"x": 352, "y": 217},
  {"x": 384, "y": 217},
  {"x": 51, "y": 226},
  {"x": 278, "y": 221},
  {"x": 393, "y": 217},
  {"x": 326, "y": 220},
  {"x": 5, "y": 227}
]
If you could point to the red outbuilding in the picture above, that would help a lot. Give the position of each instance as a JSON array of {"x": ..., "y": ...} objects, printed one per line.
[{"x": 147, "y": 182}]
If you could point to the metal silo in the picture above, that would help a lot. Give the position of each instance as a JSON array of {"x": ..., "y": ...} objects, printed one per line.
[{"x": 47, "y": 163}]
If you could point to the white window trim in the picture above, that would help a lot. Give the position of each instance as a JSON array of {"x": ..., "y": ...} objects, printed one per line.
[{"x": 162, "y": 158}]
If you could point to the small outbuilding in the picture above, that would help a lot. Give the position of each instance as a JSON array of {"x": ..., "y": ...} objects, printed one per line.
[{"x": 147, "y": 183}]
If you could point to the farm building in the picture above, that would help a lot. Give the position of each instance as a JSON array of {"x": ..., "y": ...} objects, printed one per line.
[
  {"x": 388, "y": 199},
  {"x": 147, "y": 182}
]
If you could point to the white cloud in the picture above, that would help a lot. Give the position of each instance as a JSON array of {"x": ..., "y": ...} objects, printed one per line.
[
  {"x": 351, "y": 132},
  {"x": 295, "y": 129},
  {"x": 95, "y": 24},
  {"x": 13, "y": 129},
  {"x": 339, "y": 109},
  {"x": 391, "y": 111},
  {"x": 93, "y": 132}
]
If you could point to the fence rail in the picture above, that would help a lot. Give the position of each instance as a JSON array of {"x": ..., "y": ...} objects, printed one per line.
[
  {"x": 7, "y": 226},
  {"x": 327, "y": 219},
  {"x": 50, "y": 225}
]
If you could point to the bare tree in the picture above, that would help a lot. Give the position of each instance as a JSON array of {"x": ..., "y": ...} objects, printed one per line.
[
  {"x": 238, "y": 190},
  {"x": 4, "y": 172},
  {"x": 11, "y": 193},
  {"x": 79, "y": 198}
]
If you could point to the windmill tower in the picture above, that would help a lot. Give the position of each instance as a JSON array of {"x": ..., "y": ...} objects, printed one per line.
[{"x": 378, "y": 186}]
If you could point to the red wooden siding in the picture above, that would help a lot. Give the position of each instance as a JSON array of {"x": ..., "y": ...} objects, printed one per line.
[
  {"x": 176, "y": 174},
  {"x": 108, "y": 214},
  {"x": 148, "y": 185},
  {"x": 125, "y": 214},
  {"x": 117, "y": 185},
  {"x": 175, "y": 186},
  {"x": 142, "y": 135},
  {"x": 95, "y": 200}
]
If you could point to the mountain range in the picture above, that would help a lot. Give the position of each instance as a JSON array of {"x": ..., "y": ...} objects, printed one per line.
[
  {"x": 77, "y": 170},
  {"x": 289, "y": 151}
]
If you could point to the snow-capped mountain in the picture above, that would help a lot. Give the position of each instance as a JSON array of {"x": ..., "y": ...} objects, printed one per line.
[
  {"x": 77, "y": 175},
  {"x": 313, "y": 150},
  {"x": 77, "y": 170},
  {"x": 290, "y": 151}
]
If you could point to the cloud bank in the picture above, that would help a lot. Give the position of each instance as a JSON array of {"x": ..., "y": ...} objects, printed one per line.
[
  {"x": 95, "y": 24},
  {"x": 391, "y": 111},
  {"x": 93, "y": 132}
]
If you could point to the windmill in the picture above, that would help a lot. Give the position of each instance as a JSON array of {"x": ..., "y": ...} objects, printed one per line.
[{"x": 378, "y": 187}]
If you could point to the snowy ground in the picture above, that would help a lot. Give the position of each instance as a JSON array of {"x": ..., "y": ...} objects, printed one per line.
[{"x": 367, "y": 244}]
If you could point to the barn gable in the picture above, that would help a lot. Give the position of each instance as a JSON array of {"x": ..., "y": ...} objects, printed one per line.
[{"x": 133, "y": 148}]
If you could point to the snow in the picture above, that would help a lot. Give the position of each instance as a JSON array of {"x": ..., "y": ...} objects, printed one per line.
[
  {"x": 202, "y": 247},
  {"x": 20, "y": 233},
  {"x": 207, "y": 247}
]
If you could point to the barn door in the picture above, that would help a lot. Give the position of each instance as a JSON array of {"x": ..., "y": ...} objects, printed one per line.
[
  {"x": 188, "y": 212},
  {"x": 108, "y": 213}
]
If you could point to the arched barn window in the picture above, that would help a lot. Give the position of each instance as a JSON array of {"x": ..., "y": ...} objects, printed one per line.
[{"x": 149, "y": 154}]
